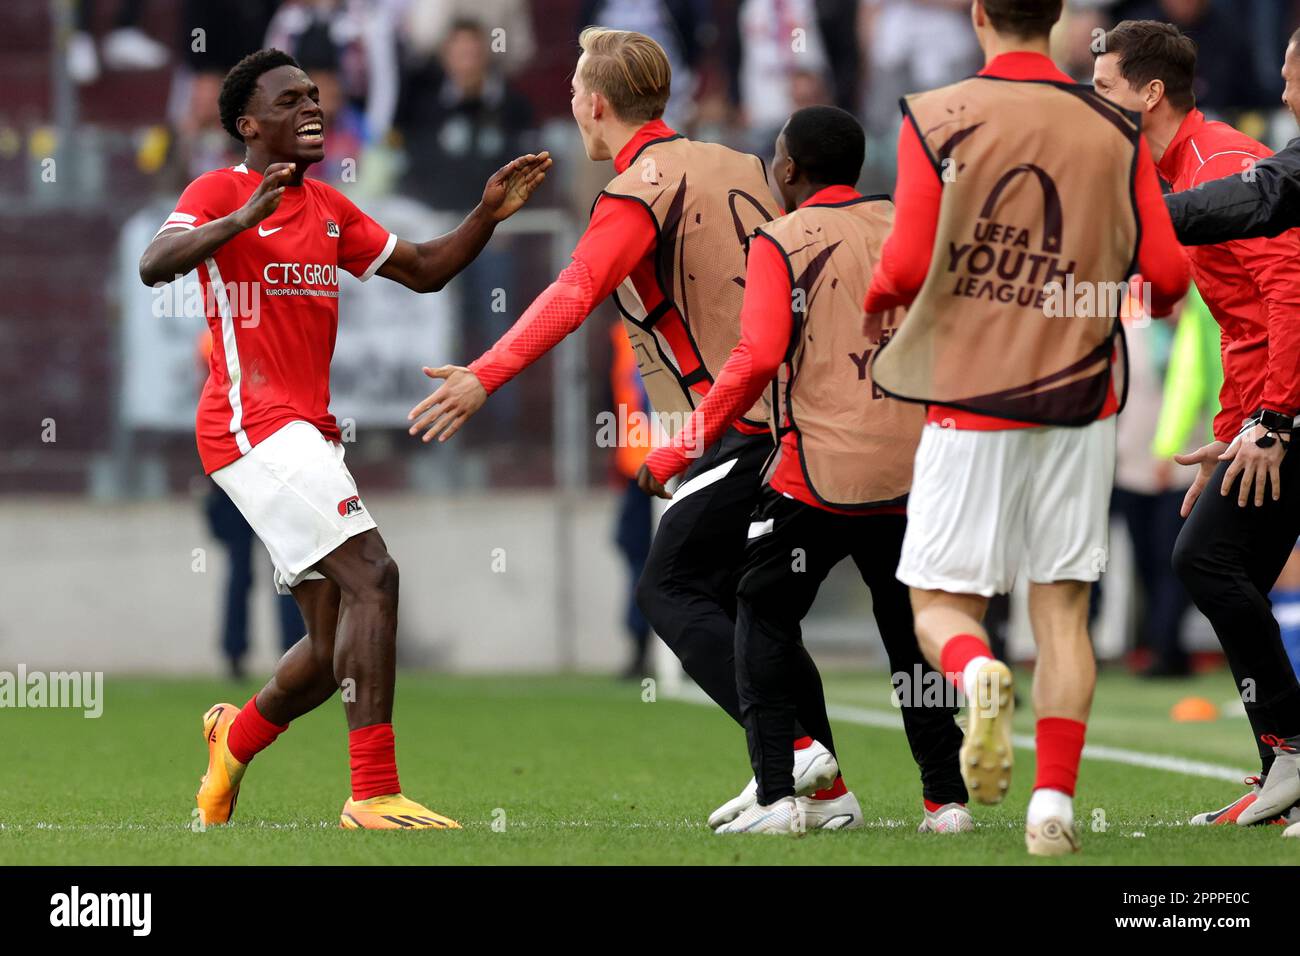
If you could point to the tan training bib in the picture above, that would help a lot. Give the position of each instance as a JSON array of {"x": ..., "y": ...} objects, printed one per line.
[{"x": 1037, "y": 235}]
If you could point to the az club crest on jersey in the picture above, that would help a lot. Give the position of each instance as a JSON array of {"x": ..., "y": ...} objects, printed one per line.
[
  {"x": 350, "y": 506},
  {"x": 331, "y": 229}
]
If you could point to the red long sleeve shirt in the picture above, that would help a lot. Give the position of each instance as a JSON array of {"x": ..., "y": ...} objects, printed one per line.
[
  {"x": 1252, "y": 287},
  {"x": 619, "y": 242},
  {"x": 766, "y": 324},
  {"x": 905, "y": 259}
]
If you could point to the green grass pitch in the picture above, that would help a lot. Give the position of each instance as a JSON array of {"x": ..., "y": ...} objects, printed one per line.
[{"x": 576, "y": 771}]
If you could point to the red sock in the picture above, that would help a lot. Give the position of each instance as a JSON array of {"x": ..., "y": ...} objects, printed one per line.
[
  {"x": 374, "y": 764},
  {"x": 251, "y": 733},
  {"x": 802, "y": 743},
  {"x": 960, "y": 650},
  {"x": 837, "y": 789},
  {"x": 1060, "y": 744}
]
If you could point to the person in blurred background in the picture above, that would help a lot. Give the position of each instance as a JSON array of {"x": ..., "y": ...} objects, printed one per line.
[
  {"x": 1225, "y": 73},
  {"x": 635, "y": 522},
  {"x": 913, "y": 45},
  {"x": 125, "y": 47},
  {"x": 782, "y": 65},
  {"x": 1193, "y": 378},
  {"x": 426, "y": 25},
  {"x": 264, "y": 430},
  {"x": 212, "y": 35},
  {"x": 459, "y": 119},
  {"x": 1239, "y": 535},
  {"x": 1149, "y": 489}
]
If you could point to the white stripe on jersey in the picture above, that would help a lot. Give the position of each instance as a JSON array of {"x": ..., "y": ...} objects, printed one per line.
[
  {"x": 381, "y": 258},
  {"x": 232, "y": 355}
]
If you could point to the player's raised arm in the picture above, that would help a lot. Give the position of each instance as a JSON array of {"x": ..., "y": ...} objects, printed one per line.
[
  {"x": 428, "y": 266},
  {"x": 179, "y": 247}
]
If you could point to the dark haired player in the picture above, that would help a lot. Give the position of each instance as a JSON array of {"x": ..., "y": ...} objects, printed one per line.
[
  {"x": 839, "y": 485},
  {"x": 1235, "y": 542},
  {"x": 262, "y": 233}
]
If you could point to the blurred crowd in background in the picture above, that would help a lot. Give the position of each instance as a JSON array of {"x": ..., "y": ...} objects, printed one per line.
[{"x": 424, "y": 100}]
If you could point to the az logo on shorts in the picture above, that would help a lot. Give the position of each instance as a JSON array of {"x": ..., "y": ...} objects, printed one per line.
[{"x": 350, "y": 506}]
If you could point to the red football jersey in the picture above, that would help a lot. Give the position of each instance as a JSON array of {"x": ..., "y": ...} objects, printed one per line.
[{"x": 271, "y": 298}]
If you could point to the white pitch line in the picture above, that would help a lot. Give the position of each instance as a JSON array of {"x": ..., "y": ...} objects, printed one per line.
[{"x": 892, "y": 720}]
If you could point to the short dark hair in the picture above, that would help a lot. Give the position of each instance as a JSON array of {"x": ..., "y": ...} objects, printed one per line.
[
  {"x": 1023, "y": 18},
  {"x": 828, "y": 144},
  {"x": 1150, "y": 50},
  {"x": 240, "y": 84}
]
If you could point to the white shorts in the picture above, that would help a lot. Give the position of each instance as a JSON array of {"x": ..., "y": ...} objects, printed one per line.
[
  {"x": 297, "y": 494},
  {"x": 986, "y": 503}
]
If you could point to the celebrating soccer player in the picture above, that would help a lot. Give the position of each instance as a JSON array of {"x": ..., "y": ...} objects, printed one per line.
[
  {"x": 264, "y": 237},
  {"x": 1243, "y": 509},
  {"x": 1021, "y": 199},
  {"x": 840, "y": 484}
]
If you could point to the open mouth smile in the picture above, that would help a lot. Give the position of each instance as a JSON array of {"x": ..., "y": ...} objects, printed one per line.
[{"x": 311, "y": 132}]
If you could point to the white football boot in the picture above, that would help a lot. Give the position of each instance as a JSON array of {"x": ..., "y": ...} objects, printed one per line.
[
  {"x": 814, "y": 769},
  {"x": 1281, "y": 787},
  {"x": 783, "y": 818},
  {"x": 838, "y": 813},
  {"x": 986, "y": 751},
  {"x": 1051, "y": 837},
  {"x": 949, "y": 818}
]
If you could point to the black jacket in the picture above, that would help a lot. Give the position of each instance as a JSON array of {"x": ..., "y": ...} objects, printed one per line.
[{"x": 1263, "y": 201}]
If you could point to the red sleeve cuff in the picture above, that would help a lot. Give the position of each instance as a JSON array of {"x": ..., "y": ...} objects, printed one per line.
[{"x": 665, "y": 462}]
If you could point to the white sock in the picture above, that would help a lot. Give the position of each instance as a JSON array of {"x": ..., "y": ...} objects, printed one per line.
[
  {"x": 968, "y": 678},
  {"x": 1050, "y": 803}
]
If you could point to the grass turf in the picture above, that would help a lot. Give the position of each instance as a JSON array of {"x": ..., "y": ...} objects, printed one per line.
[{"x": 574, "y": 770}]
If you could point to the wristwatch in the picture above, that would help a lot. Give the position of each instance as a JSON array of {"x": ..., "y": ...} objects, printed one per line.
[{"x": 1275, "y": 425}]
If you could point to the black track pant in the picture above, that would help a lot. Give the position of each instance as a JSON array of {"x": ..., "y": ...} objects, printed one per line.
[
  {"x": 1229, "y": 558},
  {"x": 688, "y": 588},
  {"x": 792, "y": 549}
]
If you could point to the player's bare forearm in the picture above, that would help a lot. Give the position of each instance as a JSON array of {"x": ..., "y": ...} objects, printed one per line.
[
  {"x": 177, "y": 251},
  {"x": 429, "y": 266}
]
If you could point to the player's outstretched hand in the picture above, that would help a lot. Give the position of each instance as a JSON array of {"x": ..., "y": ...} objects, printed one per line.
[
  {"x": 442, "y": 413},
  {"x": 512, "y": 185},
  {"x": 266, "y": 197},
  {"x": 651, "y": 485},
  {"x": 1207, "y": 457}
]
